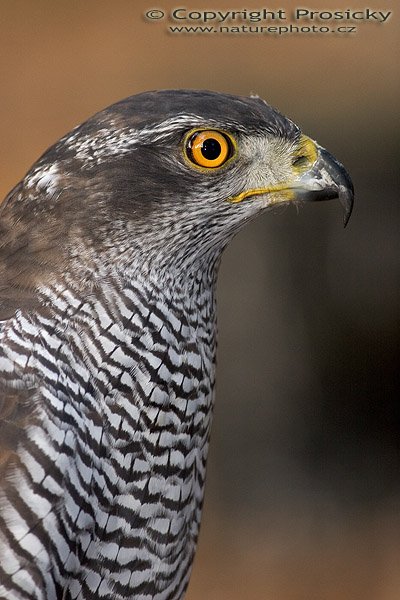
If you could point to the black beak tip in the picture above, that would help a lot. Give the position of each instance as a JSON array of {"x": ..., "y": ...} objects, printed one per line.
[
  {"x": 341, "y": 182},
  {"x": 346, "y": 199}
]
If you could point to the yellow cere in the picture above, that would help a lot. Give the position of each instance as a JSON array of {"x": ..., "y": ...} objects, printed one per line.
[{"x": 304, "y": 156}]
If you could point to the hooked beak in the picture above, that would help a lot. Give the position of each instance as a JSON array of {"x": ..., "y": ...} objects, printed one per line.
[{"x": 325, "y": 178}]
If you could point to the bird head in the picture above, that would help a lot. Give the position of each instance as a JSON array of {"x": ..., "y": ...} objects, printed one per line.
[{"x": 163, "y": 176}]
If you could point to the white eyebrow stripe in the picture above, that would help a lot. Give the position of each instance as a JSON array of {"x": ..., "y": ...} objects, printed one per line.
[{"x": 112, "y": 140}]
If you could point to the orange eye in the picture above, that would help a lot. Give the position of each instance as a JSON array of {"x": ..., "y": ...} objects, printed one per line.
[{"x": 208, "y": 149}]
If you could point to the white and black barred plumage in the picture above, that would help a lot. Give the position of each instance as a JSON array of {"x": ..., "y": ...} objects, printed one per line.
[{"x": 109, "y": 252}]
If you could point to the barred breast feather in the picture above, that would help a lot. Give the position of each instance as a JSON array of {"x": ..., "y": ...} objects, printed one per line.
[{"x": 107, "y": 419}]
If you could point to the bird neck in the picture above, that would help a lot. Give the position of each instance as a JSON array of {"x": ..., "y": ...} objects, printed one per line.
[{"x": 138, "y": 317}]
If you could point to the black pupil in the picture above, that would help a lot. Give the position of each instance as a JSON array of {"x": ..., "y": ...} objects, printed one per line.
[{"x": 211, "y": 149}]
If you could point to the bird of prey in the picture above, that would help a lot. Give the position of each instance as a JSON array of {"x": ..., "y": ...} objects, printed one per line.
[{"x": 109, "y": 253}]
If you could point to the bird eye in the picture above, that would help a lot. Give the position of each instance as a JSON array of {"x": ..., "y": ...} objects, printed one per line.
[{"x": 208, "y": 148}]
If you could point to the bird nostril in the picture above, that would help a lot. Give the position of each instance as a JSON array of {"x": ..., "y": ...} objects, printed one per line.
[
  {"x": 300, "y": 161},
  {"x": 304, "y": 155}
]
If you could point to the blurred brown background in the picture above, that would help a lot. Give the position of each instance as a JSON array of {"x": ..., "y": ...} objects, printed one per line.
[{"x": 303, "y": 489}]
